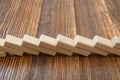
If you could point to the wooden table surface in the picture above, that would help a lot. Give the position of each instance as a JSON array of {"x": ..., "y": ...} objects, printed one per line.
[{"x": 67, "y": 17}]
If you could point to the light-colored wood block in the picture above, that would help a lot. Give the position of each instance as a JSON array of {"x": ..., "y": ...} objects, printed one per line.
[
  {"x": 3, "y": 54},
  {"x": 51, "y": 43},
  {"x": 116, "y": 42},
  {"x": 68, "y": 43},
  {"x": 16, "y": 43},
  {"x": 32, "y": 42},
  {"x": 87, "y": 44},
  {"x": 9, "y": 50},
  {"x": 105, "y": 44}
]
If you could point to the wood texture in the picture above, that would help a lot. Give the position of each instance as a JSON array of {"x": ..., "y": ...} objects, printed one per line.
[
  {"x": 16, "y": 44},
  {"x": 68, "y": 43},
  {"x": 105, "y": 44},
  {"x": 87, "y": 44},
  {"x": 51, "y": 43},
  {"x": 34, "y": 43},
  {"x": 9, "y": 50},
  {"x": 67, "y": 17}
]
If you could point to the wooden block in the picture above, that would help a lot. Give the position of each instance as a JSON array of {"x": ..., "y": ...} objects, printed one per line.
[
  {"x": 9, "y": 50},
  {"x": 51, "y": 44},
  {"x": 3, "y": 54},
  {"x": 87, "y": 44},
  {"x": 68, "y": 43},
  {"x": 116, "y": 42},
  {"x": 32, "y": 42},
  {"x": 16, "y": 43},
  {"x": 105, "y": 44}
]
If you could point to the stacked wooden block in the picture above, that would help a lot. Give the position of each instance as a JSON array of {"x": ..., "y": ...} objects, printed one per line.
[{"x": 62, "y": 44}]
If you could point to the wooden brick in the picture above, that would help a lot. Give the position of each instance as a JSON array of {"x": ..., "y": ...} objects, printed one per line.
[
  {"x": 68, "y": 43},
  {"x": 87, "y": 44},
  {"x": 9, "y": 50},
  {"x": 34, "y": 43},
  {"x": 51, "y": 43},
  {"x": 105, "y": 44},
  {"x": 16, "y": 43},
  {"x": 3, "y": 54},
  {"x": 116, "y": 42}
]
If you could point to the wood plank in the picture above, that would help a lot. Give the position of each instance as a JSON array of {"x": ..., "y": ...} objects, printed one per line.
[
  {"x": 4, "y": 9},
  {"x": 63, "y": 18},
  {"x": 45, "y": 18},
  {"x": 22, "y": 18},
  {"x": 4, "y": 28},
  {"x": 34, "y": 18},
  {"x": 92, "y": 18},
  {"x": 87, "y": 44},
  {"x": 113, "y": 9},
  {"x": 68, "y": 43},
  {"x": 105, "y": 44}
]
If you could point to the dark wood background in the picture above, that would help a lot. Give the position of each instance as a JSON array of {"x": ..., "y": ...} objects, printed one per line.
[{"x": 66, "y": 17}]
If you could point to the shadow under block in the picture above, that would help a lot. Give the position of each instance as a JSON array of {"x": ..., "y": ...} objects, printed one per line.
[
  {"x": 87, "y": 44},
  {"x": 105, "y": 44},
  {"x": 68, "y": 43},
  {"x": 9, "y": 50},
  {"x": 16, "y": 43},
  {"x": 116, "y": 42},
  {"x": 33, "y": 43},
  {"x": 51, "y": 43}
]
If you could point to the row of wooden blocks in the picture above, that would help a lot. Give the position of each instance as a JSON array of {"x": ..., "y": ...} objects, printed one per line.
[{"x": 62, "y": 44}]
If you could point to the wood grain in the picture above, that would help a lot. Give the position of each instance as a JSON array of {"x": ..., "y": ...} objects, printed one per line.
[
  {"x": 95, "y": 15},
  {"x": 67, "y": 17},
  {"x": 4, "y": 7},
  {"x": 63, "y": 18}
]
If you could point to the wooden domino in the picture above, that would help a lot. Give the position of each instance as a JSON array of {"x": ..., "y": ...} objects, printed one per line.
[
  {"x": 51, "y": 43},
  {"x": 16, "y": 43},
  {"x": 34, "y": 43},
  {"x": 62, "y": 44},
  {"x": 105, "y": 44},
  {"x": 9, "y": 50},
  {"x": 87, "y": 44},
  {"x": 68, "y": 43},
  {"x": 3, "y": 54},
  {"x": 116, "y": 42}
]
